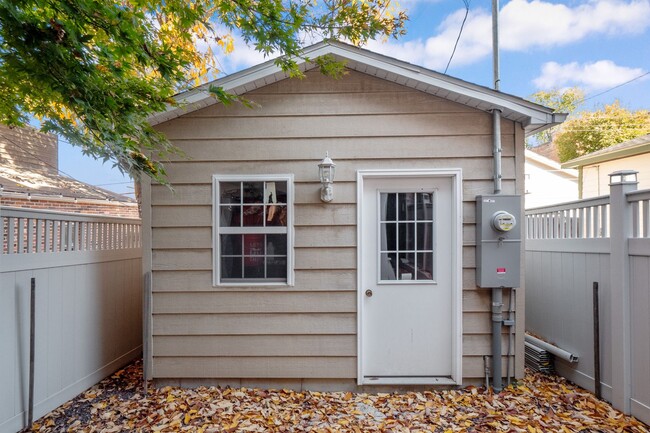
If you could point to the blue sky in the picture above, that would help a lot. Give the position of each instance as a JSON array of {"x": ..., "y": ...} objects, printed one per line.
[{"x": 597, "y": 45}]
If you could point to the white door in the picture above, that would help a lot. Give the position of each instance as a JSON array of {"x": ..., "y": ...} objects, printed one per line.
[{"x": 409, "y": 272}]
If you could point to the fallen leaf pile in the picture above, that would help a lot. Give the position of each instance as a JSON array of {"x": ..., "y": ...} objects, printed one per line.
[{"x": 538, "y": 404}]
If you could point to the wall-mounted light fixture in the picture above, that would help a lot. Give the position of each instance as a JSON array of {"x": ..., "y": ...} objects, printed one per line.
[{"x": 326, "y": 170}]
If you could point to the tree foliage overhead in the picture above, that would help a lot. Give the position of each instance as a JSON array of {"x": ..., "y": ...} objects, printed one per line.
[
  {"x": 93, "y": 70},
  {"x": 592, "y": 131},
  {"x": 561, "y": 101}
]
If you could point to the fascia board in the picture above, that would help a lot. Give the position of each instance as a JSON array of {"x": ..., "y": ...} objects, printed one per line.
[{"x": 498, "y": 100}]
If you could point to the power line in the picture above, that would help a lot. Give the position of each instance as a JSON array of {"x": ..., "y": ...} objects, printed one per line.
[
  {"x": 460, "y": 32},
  {"x": 615, "y": 87}
]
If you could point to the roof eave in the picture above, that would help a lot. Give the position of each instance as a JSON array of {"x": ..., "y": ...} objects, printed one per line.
[
  {"x": 581, "y": 161},
  {"x": 532, "y": 116}
]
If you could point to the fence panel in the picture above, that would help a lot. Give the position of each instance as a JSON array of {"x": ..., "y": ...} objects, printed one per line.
[
  {"x": 572, "y": 245},
  {"x": 88, "y": 306}
]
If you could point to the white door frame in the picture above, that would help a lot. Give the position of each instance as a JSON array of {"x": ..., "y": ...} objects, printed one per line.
[{"x": 457, "y": 277}]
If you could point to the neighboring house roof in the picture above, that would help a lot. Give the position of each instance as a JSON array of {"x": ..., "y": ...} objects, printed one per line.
[
  {"x": 547, "y": 150},
  {"x": 533, "y": 117},
  {"x": 550, "y": 165},
  {"x": 636, "y": 146},
  {"x": 29, "y": 167}
]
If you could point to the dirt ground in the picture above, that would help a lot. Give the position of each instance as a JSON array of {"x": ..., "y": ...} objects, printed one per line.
[{"x": 538, "y": 404}]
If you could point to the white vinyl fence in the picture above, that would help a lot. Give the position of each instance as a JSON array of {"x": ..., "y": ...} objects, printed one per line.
[
  {"x": 605, "y": 240},
  {"x": 88, "y": 309}
]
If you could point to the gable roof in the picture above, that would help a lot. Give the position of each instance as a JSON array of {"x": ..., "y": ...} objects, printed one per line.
[
  {"x": 533, "y": 117},
  {"x": 548, "y": 164},
  {"x": 29, "y": 168},
  {"x": 636, "y": 146}
]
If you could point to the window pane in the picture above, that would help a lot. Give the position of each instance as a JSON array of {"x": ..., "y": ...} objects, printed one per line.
[
  {"x": 388, "y": 266},
  {"x": 253, "y": 192},
  {"x": 230, "y": 216},
  {"x": 276, "y": 215},
  {"x": 276, "y": 245},
  {"x": 253, "y": 216},
  {"x": 406, "y": 236},
  {"x": 231, "y": 245},
  {"x": 276, "y": 267},
  {"x": 407, "y": 266},
  {"x": 230, "y": 192},
  {"x": 231, "y": 267},
  {"x": 387, "y": 206},
  {"x": 425, "y": 206},
  {"x": 254, "y": 267},
  {"x": 388, "y": 233},
  {"x": 254, "y": 245},
  {"x": 281, "y": 191},
  {"x": 425, "y": 266},
  {"x": 425, "y": 236},
  {"x": 276, "y": 192},
  {"x": 405, "y": 206}
]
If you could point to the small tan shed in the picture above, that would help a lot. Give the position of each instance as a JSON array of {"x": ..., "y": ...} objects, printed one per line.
[{"x": 258, "y": 282}]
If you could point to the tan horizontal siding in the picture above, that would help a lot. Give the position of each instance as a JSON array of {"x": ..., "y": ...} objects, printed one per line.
[
  {"x": 473, "y": 366},
  {"x": 305, "y": 280},
  {"x": 256, "y": 324},
  {"x": 181, "y": 216},
  {"x": 259, "y": 302},
  {"x": 301, "y": 149},
  {"x": 255, "y": 367},
  {"x": 181, "y": 237},
  {"x": 326, "y": 236},
  {"x": 298, "y": 126},
  {"x": 255, "y": 345},
  {"x": 352, "y": 82},
  {"x": 325, "y": 258},
  {"x": 477, "y": 168},
  {"x": 310, "y": 104},
  {"x": 481, "y": 344},
  {"x": 194, "y": 259}
]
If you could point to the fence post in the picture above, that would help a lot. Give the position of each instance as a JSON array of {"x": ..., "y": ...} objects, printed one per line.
[{"x": 621, "y": 183}]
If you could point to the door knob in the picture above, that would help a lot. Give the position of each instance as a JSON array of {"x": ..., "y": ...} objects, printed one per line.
[{"x": 369, "y": 293}]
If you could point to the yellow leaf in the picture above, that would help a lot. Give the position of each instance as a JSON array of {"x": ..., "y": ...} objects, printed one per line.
[{"x": 187, "y": 418}]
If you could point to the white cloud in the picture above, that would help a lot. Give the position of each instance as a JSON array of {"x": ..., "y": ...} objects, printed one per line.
[
  {"x": 524, "y": 25},
  {"x": 598, "y": 75}
]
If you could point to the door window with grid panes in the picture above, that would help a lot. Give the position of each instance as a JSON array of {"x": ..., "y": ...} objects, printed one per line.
[
  {"x": 406, "y": 236},
  {"x": 253, "y": 236}
]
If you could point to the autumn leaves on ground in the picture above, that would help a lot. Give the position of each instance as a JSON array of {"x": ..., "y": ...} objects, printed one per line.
[{"x": 539, "y": 404}]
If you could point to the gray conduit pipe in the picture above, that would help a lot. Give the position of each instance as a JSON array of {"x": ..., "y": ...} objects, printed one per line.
[{"x": 551, "y": 348}]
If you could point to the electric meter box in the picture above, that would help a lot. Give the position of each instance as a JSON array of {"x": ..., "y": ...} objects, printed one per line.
[{"x": 498, "y": 240}]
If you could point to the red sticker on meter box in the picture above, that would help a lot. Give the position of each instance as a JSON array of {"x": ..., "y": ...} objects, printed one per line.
[{"x": 501, "y": 270}]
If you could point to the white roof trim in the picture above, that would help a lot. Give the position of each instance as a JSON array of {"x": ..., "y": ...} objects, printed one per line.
[
  {"x": 532, "y": 116},
  {"x": 531, "y": 157}
]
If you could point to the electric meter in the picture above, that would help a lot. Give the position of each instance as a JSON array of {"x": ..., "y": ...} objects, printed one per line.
[
  {"x": 503, "y": 221},
  {"x": 498, "y": 241}
]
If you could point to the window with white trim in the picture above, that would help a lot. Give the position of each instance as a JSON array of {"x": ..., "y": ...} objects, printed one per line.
[{"x": 253, "y": 236}]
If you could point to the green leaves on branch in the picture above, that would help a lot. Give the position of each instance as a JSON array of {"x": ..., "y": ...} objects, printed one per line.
[
  {"x": 596, "y": 130},
  {"x": 562, "y": 101},
  {"x": 93, "y": 71}
]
